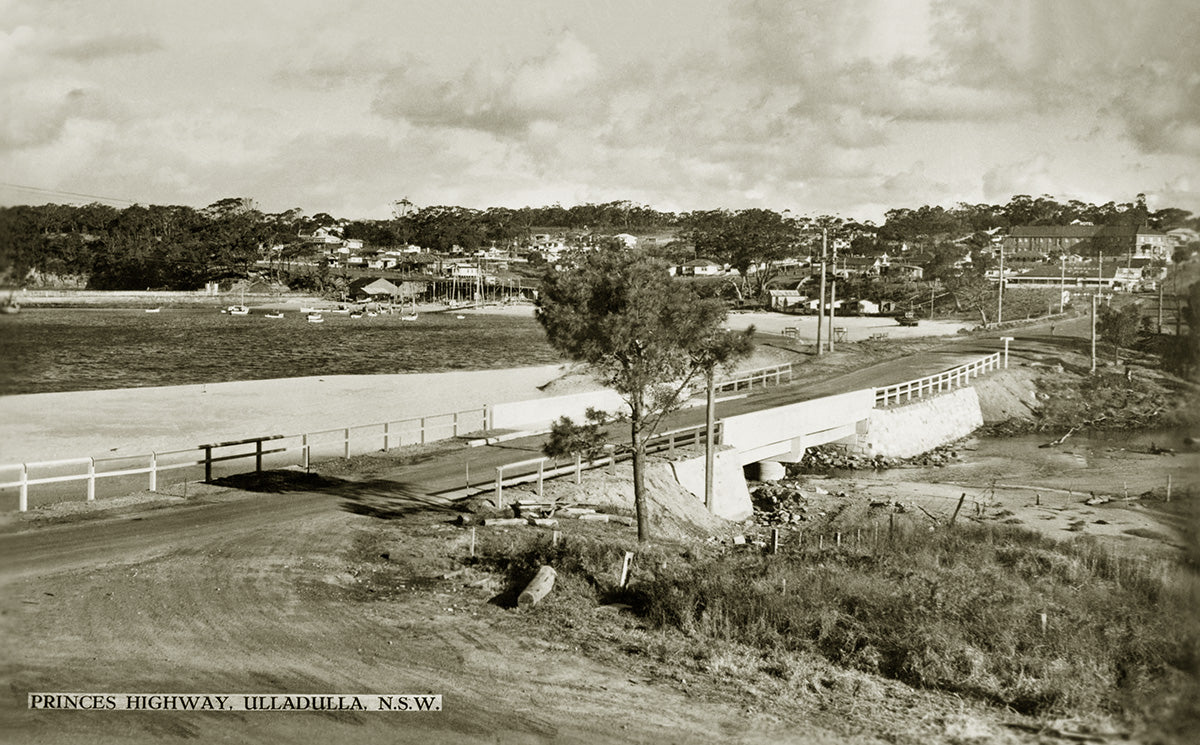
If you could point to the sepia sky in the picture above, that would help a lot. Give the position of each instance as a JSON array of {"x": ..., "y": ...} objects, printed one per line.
[{"x": 847, "y": 106}]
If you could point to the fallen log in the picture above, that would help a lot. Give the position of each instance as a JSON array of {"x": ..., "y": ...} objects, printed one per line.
[{"x": 538, "y": 587}]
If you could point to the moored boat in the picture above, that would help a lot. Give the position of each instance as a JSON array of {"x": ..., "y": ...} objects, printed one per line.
[
  {"x": 153, "y": 310},
  {"x": 276, "y": 314},
  {"x": 314, "y": 318}
]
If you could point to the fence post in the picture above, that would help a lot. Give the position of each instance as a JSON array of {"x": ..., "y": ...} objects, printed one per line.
[
  {"x": 258, "y": 456},
  {"x": 499, "y": 487},
  {"x": 455, "y": 430},
  {"x": 387, "y": 440},
  {"x": 541, "y": 471},
  {"x": 207, "y": 463},
  {"x": 578, "y": 468},
  {"x": 346, "y": 448},
  {"x": 422, "y": 430},
  {"x": 23, "y": 500},
  {"x": 153, "y": 471},
  {"x": 304, "y": 449},
  {"x": 91, "y": 488}
]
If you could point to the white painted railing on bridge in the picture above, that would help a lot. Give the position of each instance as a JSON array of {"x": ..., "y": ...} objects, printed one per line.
[{"x": 931, "y": 384}]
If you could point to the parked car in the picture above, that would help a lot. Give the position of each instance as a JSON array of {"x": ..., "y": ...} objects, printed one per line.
[{"x": 908, "y": 319}]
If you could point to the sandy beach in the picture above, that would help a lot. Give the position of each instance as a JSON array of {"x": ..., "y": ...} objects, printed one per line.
[{"x": 135, "y": 421}]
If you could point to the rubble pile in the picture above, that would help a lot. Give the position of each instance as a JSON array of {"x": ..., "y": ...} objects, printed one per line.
[
  {"x": 783, "y": 503},
  {"x": 826, "y": 458}
]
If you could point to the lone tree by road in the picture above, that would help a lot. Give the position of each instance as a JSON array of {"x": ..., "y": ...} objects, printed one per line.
[{"x": 643, "y": 332}]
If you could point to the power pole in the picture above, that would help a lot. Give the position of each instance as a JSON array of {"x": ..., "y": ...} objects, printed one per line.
[
  {"x": 821, "y": 302},
  {"x": 1000, "y": 295},
  {"x": 1095, "y": 301},
  {"x": 1062, "y": 283},
  {"x": 832, "y": 302},
  {"x": 1160, "y": 309}
]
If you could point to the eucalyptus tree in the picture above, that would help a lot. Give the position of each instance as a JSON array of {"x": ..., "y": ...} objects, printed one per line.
[{"x": 642, "y": 331}]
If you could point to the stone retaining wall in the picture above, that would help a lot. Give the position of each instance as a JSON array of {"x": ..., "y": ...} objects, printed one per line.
[{"x": 912, "y": 429}]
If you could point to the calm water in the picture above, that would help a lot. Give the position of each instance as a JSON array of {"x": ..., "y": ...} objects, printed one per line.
[{"x": 72, "y": 349}]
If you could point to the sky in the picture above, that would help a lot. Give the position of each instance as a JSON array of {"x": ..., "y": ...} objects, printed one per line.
[{"x": 847, "y": 107}]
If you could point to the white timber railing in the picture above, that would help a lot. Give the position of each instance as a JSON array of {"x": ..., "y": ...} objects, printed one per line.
[
  {"x": 341, "y": 441},
  {"x": 943, "y": 381}
]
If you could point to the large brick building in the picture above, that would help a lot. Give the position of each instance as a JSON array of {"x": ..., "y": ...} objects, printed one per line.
[{"x": 1037, "y": 243}]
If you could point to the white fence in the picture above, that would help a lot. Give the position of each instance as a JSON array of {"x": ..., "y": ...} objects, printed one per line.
[
  {"x": 953, "y": 378},
  {"x": 343, "y": 441}
]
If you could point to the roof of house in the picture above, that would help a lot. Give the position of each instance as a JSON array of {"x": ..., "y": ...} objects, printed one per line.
[{"x": 374, "y": 286}]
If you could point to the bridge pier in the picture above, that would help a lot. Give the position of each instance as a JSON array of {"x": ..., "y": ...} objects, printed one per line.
[{"x": 769, "y": 470}]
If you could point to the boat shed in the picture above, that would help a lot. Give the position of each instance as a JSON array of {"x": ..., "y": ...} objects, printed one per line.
[{"x": 368, "y": 288}]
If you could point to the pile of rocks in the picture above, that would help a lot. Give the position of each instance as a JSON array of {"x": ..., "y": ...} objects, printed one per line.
[
  {"x": 784, "y": 503},
  {"x": 826, "y": 458}
]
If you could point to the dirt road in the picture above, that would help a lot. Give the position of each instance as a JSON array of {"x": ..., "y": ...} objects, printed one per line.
[{"x": 256, "y": 594}]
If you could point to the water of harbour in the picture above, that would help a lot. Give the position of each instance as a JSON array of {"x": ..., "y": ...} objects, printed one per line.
[{"x": 74, "y": 349}]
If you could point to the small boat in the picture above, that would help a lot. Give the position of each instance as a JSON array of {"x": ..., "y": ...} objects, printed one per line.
[
  {"x": 314, "y": 318},
  {"x": 308, "y": 310},
  {"x": 276, "y": 314},
  {"x": 355, "y": 314},
  {"x": 153, "y": 310},
  {"x": 460, "y": 317},
  {"x": 343, "y": 311},
  {"x": 237, "y": 310}
]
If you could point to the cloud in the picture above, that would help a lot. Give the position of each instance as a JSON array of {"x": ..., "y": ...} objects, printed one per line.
[
  {"x": 554, "y": 86},
  {"x": 102, "y": 46}
]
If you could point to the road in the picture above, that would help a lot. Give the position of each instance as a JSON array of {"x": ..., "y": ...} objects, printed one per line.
[{"x": 92, "y": 541}]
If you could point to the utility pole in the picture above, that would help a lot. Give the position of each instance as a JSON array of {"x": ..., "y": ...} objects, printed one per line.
[
  {"x": 1062, "y": 283},
  {"x": 1160, "y": 301},
  {"x": 1000, "y": 295},
  {"x": 821, "y": 302},
  {"x": 832, "y": 302},
  {"x": 1095, "y": 300}
]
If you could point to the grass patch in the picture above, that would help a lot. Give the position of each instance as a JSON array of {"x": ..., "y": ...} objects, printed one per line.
[{"x": 953, "y": 610}]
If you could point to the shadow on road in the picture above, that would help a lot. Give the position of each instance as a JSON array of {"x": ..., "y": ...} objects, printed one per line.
[{"x": 381, "y": 498}]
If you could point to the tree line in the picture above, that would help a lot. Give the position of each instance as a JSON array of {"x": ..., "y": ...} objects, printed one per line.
[{"x": 180, "y": 247}]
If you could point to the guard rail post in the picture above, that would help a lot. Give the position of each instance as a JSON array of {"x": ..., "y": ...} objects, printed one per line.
[
  {"x": 207, "y": 463},
  {"x": 153, "y": 471},
  {"x": 23, "y": 499},
  {"x": 258, "y": 456},
  {"x": 346, "y": 443},
  {"x": 386, "y": 437},
  {"x": 91, "y": 485},
  {"x": 304, "y": 449}
]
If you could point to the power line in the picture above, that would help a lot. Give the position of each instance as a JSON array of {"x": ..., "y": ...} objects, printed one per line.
[{"x": 59, "y": 192}]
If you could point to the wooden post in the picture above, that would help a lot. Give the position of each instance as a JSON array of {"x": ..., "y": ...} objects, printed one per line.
[
  {"x": 387, "y": 440},
  {"x": 472, "y": 542},
  {"x": 774, "y": 540},
  {"x": 1044, "y": 623},
  {"x": 422, "y": 430},
  {"x": 1037, "y": 498},
  {"x": 207, "y": 463},
  {"x": 455, "y": 423},
  {"x": 625, "y": 567},
  {"x": 578, "y": 468},
  {"x": 891, "y": 525},
  {"x": 258, "y": 456},
  {"x": 538, "y": 587},
  {"x": 23, "y": 499},
  {"x": 959, "y": 507},
  {"x": 91, "y": 486},
  {"x": 346, "y": 446},
  {"x": 153, "y": 471},
  {"x": 541, "y": 474},
  {"x": 554, "y": 538},
  {"x": 1168, "y": 487},
  {"x": 304, "y": 449},
  {"x": 499, "y": 488}
]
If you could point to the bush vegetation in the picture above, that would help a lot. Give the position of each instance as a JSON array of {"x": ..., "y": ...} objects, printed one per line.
[{"x": 958, "y": 610}]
